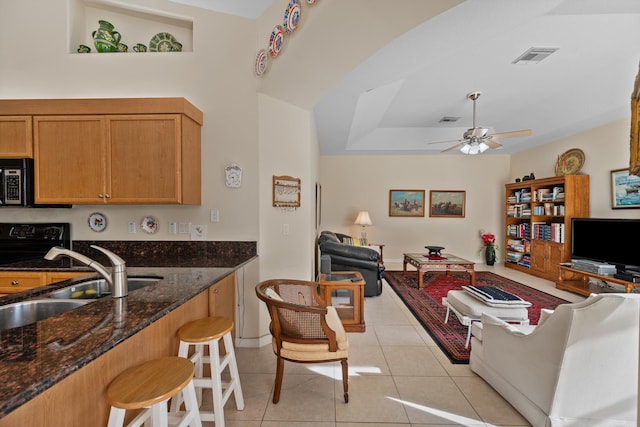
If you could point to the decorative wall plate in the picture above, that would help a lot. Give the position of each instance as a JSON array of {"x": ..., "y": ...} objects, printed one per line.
[
  {"x": 292, "y": 16},
  {"x": 149, "y": 224},
  {"x": 97, "y": 222},
  {"x": 261, "y": 62},
  {"x": 276, "y": 40},
  {"x": 311, "y": 1},
  {"x": 233, "y": 175},
  {"x": 164, "y": 42},
  {"x": 570, "y": 162}
]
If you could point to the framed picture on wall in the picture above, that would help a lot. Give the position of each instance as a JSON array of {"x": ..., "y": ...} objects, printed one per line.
[
  {"x": 408, "y": 203},
  {"x": 447, "y": 204},
  {"x": 625, "y": 189}
]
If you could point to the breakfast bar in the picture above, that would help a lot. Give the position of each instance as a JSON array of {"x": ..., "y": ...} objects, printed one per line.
[{"x": 56, "y": 370}]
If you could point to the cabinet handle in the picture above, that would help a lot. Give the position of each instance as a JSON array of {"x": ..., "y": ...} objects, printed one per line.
[
  {"x": 215, "y": 291},
  {"x": 107, "y": 196},
  {"x": 100, "y": 196},
  {"x": 15, "y": 282}
]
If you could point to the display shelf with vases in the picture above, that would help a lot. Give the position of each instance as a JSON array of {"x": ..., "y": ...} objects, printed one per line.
[{"x": 136, "y": 26}]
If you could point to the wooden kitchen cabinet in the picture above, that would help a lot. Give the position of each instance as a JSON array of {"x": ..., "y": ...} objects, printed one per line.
[
  {"x": 80, "y": 397},
  {"x": 116, "y": 159},
  {"x": 12, "y": 282},
  {"x": 222, "y": 300},
  {"x": 16, "y": 137},
  {"x": 112, "y": 150}
]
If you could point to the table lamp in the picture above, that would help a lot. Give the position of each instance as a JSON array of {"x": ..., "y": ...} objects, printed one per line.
[{"x": 363, "y": 219}]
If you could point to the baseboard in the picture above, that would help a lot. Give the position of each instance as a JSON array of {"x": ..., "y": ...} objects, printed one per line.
[{"x": 253, "y": 342}]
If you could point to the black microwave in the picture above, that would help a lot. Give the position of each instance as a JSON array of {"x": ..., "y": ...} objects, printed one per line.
[{"x": 16, "y": 182}]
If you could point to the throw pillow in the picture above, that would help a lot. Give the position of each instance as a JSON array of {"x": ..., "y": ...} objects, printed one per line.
[
  {"x": 351, "y": 241},
  {"x": 273, "y": 294}
]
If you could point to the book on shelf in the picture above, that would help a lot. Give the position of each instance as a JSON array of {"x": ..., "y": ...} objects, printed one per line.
[
  {"x": 553, "y": 232},
  {"x": 521, "y": 231},
  {"x": 518, "y": 245}
]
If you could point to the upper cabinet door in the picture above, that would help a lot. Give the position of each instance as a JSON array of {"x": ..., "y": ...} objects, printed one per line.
[
  {"x": 16, "y": 139},
  {"x": 70, "y": 153},
  {"x": 144, "y": 158}
]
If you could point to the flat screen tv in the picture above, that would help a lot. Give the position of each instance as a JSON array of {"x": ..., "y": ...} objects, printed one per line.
[{"x": 606, "y": 240}]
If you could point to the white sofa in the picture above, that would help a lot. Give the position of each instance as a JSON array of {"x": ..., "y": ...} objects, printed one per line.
[{"x": 577, "y": 367}]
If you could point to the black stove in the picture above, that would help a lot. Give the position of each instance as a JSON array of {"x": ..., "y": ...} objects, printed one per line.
[{"x": 23, "y": 242}]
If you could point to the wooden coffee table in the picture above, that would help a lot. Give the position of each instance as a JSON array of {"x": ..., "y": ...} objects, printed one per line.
[{"x": 448, "y": 263}]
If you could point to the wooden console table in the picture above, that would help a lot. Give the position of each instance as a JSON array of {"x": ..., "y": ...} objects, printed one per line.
[
  {"x": 577, "y": 281},
  {"x": 346, "y": 295}
]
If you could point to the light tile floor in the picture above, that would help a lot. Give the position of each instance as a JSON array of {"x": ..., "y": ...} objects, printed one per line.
[{"x": 397, "y": 377}]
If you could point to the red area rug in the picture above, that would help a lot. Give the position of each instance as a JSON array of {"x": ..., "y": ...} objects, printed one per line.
[{"x": 426, "y": 304}]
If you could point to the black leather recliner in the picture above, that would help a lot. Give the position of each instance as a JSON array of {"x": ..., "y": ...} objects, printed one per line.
[{"x": 353, "y": 258}]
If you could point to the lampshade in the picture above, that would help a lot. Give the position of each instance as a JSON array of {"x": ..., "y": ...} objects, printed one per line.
[
  {"x": 473, "y": 147},
  {"x": 363, "y": 219}
]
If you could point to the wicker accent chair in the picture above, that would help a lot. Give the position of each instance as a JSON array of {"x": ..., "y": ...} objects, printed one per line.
[{"x": 304, "y": 328}]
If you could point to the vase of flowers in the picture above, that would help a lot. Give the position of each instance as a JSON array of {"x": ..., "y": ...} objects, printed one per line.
[{"x": 490, "y": 247}]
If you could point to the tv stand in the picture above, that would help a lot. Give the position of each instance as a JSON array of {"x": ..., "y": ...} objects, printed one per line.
[{"x": 577, "y": 281}]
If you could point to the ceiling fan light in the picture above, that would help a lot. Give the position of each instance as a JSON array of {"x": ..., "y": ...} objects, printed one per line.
[
  {"x": 483, "y": 147},
  {"x": 474, "y": 149},
  {"x": 465, "y": 148}
]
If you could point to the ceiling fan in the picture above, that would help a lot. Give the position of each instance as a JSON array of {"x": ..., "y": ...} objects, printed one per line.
[{"x": 476, "y": 139}]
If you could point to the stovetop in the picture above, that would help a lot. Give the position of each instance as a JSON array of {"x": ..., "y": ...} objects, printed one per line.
[{"x": 25, "y": 241}]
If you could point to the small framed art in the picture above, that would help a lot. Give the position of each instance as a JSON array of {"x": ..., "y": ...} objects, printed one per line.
[
  {"x": 447, "y": 204},
  {"x": 406, "y": 203},
  {"x": 625, "y": 189}
]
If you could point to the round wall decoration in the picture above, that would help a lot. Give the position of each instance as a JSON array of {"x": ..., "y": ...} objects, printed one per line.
[
  {"x": 292, "y": 16},
  {"x": 570, "y": 162},
  {"x": 276, "y": 40},
  {"x": 149, "y": 224},
  {"x": 311, "y": 2},
  {"x": 97, "y": 222},
  {"x": 261, "y": 62}
]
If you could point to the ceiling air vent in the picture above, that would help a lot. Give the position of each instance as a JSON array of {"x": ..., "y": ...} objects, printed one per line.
[
  {"x": 448, "y": 119},
  {"x": 534, "y": 55}
]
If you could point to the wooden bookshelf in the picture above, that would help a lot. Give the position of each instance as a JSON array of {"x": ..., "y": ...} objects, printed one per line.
[{"x": 538, "y": 222}]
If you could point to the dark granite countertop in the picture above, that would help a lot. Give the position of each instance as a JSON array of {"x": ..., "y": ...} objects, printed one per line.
[{"x": 35, "y": 357}]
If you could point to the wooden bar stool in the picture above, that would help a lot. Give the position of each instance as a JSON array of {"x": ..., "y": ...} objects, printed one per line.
[
  {"x": 207, "y": 332},
  {"x": 149, "y": 386}
]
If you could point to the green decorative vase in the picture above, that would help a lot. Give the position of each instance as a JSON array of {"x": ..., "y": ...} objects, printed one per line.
[
  {"x": 105, "y": 38},
  {"x": 490, "y": 254}
]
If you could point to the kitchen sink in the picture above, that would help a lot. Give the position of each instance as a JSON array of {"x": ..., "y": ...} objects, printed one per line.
[
  {"x": 98, "y": 288},
  {"x": 26, "y": 312}
]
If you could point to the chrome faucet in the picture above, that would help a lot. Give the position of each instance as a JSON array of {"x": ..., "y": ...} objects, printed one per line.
[{"x": 117, "y": 278}]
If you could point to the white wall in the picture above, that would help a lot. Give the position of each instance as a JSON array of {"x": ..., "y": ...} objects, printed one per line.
[
  {"x": 285, "y": 245},
  {"x": 351, "y": 184}
]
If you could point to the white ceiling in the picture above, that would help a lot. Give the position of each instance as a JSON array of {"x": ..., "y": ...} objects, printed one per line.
[{"x": 392, "y": 102}]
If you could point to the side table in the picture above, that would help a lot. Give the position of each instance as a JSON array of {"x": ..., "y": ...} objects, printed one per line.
[{"x": 345, "y": 291}]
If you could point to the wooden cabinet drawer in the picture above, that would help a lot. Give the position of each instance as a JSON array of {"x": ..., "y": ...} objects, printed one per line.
[{"x": 13, "y": 282}]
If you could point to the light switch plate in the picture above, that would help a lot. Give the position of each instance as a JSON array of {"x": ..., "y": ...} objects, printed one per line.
[
  {"x": 215, "y": 215},
  {"x": 131, "y": 227}
]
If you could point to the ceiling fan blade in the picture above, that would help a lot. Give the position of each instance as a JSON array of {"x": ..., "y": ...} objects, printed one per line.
[
  {"x": 445, "y": 142},
  {"x": 453, "y": 147},
  {"x": 491, "y": 143},
  {"x": 524, "y": 132}
]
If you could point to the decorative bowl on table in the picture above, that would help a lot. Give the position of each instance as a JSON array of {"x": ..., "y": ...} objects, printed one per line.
[{"x": 434, "y": 250}]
